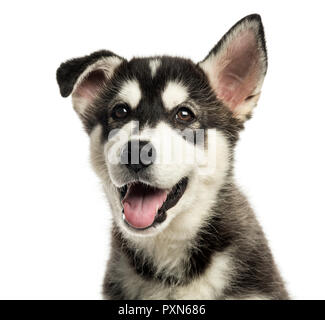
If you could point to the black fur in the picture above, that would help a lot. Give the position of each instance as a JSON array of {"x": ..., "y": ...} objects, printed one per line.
[
  {"x": 114, "y": 288},
  {"x": 69, "y": 71}
]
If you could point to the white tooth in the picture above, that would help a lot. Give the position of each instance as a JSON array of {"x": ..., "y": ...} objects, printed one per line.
[
  {"x": 123, "y": 217},
  {"x": 157, "y": 208}
]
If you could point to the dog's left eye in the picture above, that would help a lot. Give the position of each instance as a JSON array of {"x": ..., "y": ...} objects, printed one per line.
[{"x": 185, "y": 115}]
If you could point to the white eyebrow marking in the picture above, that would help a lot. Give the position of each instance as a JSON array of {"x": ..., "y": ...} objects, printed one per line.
[
  {"x": 131, "y": 93},
  {"x": 154, "y": 64},
  {"x": 174, "y": 94}
]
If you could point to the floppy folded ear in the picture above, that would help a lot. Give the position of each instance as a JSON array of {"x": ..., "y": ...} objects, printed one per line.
[
  {"x": 236, "y": 66},
  {"x": 84, "y": 77}
]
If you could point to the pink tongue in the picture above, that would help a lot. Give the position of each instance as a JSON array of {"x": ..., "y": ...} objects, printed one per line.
[{"x": 141, "y": 204}]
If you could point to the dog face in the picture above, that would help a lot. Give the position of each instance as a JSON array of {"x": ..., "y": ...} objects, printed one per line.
[{"x": 163, "y": 129}]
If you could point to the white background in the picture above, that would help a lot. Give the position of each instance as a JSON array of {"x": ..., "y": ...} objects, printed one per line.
[{"x": 54, "y": 219}]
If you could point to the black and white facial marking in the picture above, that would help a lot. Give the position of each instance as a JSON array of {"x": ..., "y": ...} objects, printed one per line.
[{"x": 153, "y": 101}]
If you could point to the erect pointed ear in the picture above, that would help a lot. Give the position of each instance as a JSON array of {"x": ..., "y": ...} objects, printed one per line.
[
  {"x": 236, "y": 66},
  {"x": 84, "y": 77}
]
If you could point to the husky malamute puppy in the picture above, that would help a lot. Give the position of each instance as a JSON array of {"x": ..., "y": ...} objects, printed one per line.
[{"x": 162, "y": 135}]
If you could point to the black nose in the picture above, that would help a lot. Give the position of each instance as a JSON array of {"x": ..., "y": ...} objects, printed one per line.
[{"x": 138, "y": 155}]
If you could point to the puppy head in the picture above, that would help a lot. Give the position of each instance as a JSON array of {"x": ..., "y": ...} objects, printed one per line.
[{"x": 163, "y": 129}]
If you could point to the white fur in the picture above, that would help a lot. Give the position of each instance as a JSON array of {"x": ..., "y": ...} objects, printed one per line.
[
  {"x": 174, "y": 94},
  {"x": 209, "y": 285},
  {"x": 131, "y": 93},
  {"x": 154, "y": 64},
  {"x": 108, "y": 65}
]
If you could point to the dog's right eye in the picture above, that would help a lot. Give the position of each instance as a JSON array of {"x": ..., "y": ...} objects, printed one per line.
[{"x": 120, "y": 111}]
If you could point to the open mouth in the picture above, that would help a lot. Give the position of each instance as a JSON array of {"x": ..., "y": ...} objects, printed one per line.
[{"x": 145, "y": 205}]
